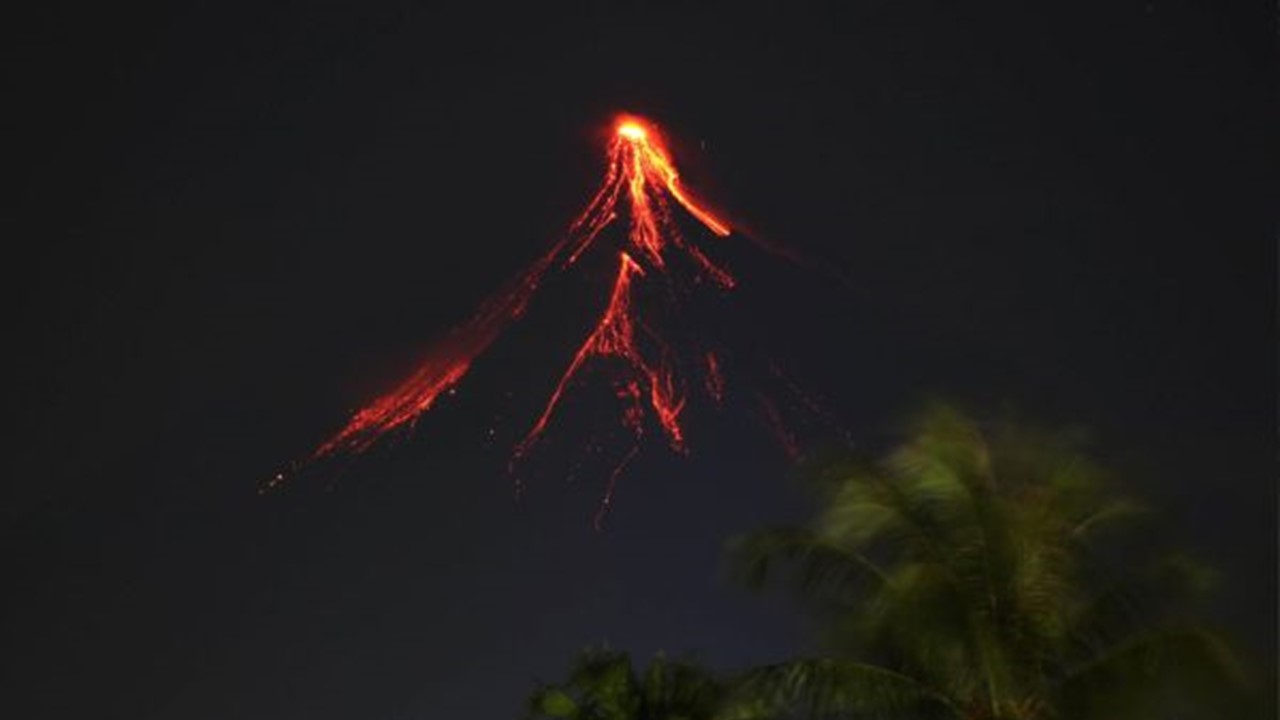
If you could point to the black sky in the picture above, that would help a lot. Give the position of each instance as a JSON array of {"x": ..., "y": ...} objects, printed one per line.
[{"x": 233, "y": 222}]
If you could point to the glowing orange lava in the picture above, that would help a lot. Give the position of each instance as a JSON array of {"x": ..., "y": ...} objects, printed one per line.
[
  {"x": 614, "y": 336},
  {"x": 641, "y": 175}
]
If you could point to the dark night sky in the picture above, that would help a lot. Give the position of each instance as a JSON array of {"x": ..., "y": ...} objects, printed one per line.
[{"x": 235, "y": 221}]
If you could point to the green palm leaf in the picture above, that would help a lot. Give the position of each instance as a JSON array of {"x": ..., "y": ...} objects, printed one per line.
[
  {"x": 966, "y": 570},
  {"x": 826, "y": 687}
]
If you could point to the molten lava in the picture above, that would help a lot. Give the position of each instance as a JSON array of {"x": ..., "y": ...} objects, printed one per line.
[{"x": 640, "y": 175}]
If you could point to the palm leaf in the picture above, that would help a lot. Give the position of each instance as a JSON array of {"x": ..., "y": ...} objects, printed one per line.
[
  {"x": 606, "y": 685},
  {"x": 826, "y": 687},
  {"x": 822, "y": 568},
  {"x": 1180, "y": 664},
  {"x": 552, "y": 702}
]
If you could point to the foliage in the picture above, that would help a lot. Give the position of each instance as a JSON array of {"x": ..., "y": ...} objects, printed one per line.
[
  {"x": 962, "y": 577},
  {"x": 603, "y": 685},
  {"x": 976, "y": 573}
]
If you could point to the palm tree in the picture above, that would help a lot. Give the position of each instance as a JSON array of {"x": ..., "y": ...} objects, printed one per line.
[
  {"x": 962, "y": 577},
  {"x": 604, "y": 686}
]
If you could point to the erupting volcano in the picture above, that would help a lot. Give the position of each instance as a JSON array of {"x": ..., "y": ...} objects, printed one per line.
[{"x": 642, "y": 184}]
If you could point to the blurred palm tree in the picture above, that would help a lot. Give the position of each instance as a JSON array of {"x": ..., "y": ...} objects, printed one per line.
[
  {"x": 603, "y": 685},
  {"x": 962, "y": 577}
]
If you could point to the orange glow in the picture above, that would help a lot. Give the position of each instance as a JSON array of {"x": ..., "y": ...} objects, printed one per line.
[
  {"x": 642, "y": 183},
  {"x": 639, "y": 169},
  {"x": 447, "y": 363},
  {"x": 651, "y": 165},
  {"x": 631, "y": 130},
  {"x": 614, "y": 336}
]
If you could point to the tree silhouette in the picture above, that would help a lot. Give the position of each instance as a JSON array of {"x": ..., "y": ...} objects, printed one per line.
[
  {"x": 603, "y": 685},
  {"x": 963, "y": 576}
]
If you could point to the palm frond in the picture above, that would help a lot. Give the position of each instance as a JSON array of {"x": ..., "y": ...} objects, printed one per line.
[
  {"x": 552, "y": 702},
  {"x": 823, "y": 569},
  {"x": 825, "y": 687},
  {"x": 675, "y": 689},
  {"x": 1137, "y": 600},
  {"x": 1110, "y": 513},
  {"x": 606, "y": 684},
  {"x": 1151, "y": 671}
]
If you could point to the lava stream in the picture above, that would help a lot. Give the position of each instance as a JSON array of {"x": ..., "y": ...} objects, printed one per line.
[{"x": 640, "y": 174}]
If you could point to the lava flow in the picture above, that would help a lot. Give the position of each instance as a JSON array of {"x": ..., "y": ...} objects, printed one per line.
[{"x": 642, "y": 178}]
